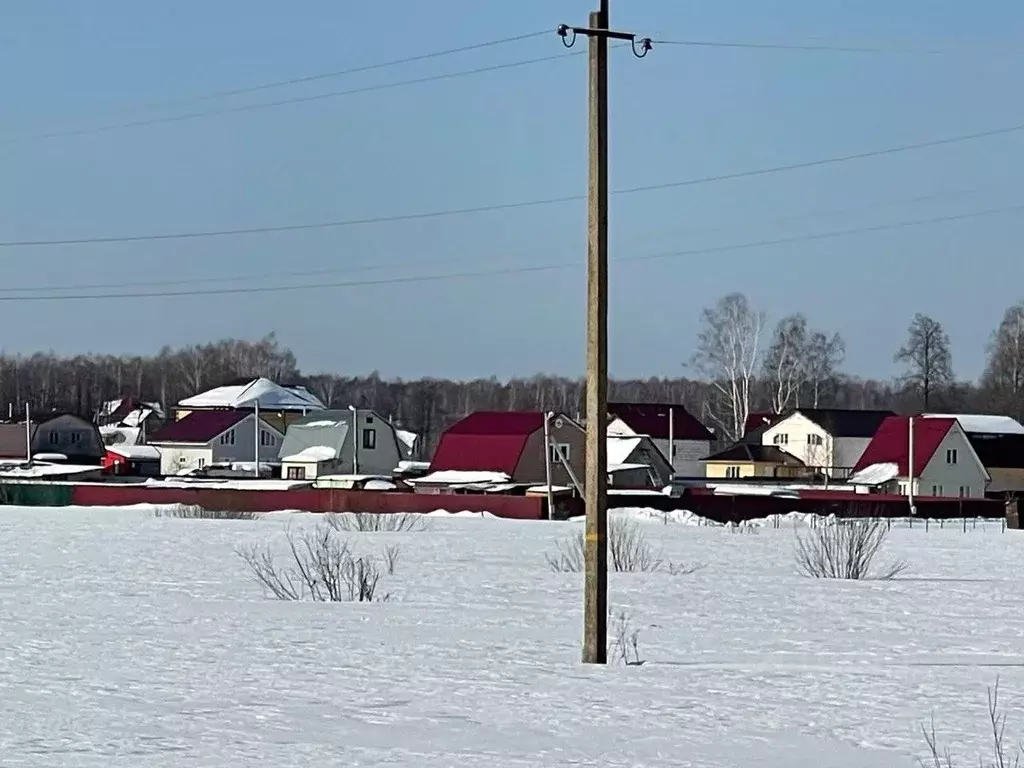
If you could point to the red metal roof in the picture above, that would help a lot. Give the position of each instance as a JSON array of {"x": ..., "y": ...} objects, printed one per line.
[
  {"x": 652, "y": 419},
  {"x": 486, "y": 441},
  {"x": 891, "y": 443},
  {"x": 198, "y": 427}
]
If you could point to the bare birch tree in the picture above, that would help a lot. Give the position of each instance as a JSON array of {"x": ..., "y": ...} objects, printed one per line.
[
  {"x": 1003, "y": 378},
  {"x": 823, "y": 355},
  {"x": 784, "y": 362},
  {"x": 728, "y": 350},
  {"x": 927, "y": 357}
]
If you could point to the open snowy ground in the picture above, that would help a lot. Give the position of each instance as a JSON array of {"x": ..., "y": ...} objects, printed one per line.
[{"x": 129, "y": 640}]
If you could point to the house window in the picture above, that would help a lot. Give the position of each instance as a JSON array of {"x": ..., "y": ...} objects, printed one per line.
[
  {"x": 268, "y": 439},
  {"x": 54, "y": 438},
  {"x": 369, "y": 419},
  {"x": 936, "y": 490},
  {"x": 902, "y": 489},
  {"x": 732, "y": 472},
  {"x": 228, "y": 438},
  {"x": 814, "y": 440},
  {"x": 369, "y": 439},
  {"x": 782, "y": 439},
  {"x": 75, "y": 438},
  {"x": 951, "y": 456},
  {"x": 296, "y": 473},
  {"x": 560, "y": 449},
  {"x": 965, "y": 491},
  {"x": 201, "y": 462}
]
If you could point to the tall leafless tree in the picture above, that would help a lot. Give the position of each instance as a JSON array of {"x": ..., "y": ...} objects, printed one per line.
[
  {"x": 1003, "y": 378},
  {"x": 823, "y": 357},
  {"x": 728, "y": 351},
  {"x": 927, "y": 357},
  {"x": 785, "y": 367}
]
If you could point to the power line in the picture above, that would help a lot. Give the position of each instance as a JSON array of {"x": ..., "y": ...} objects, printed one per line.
[
  {"x": 510, "y": 206},
  {"x": 811, "y": 237},
  {"x": 367, "y": 67},
  {"x": 285, "y": 102},
  {"x": 355, "y": 269},
  {"x": 825, "y": 47}
]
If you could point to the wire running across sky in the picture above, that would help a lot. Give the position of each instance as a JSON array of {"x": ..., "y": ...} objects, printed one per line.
[
  {"x": 508, "y": 271},
  {"x": 378, "y": 267},
  {"x": 768, "y": 170}
]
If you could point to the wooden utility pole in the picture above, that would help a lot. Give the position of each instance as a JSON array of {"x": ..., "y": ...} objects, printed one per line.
[{"x": 595, "y": 590}]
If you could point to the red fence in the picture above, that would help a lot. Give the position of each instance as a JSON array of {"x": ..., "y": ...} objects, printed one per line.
[{"x": 308, "y": 500}]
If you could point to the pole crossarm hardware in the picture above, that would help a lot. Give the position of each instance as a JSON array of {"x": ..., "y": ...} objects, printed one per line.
[
  {"x": 568, "y": 34},
  {"x": 595, "y": 490}
]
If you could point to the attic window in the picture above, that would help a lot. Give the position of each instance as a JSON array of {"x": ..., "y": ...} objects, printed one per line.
[
  {"x": 782, "y": 439},
  {"x": 951, "y": 456},
  {"x": 369, "y": 419},
  {"x": 369, "y": 439}
]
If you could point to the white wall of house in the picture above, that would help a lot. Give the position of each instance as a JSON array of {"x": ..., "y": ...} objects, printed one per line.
[
  {"x": 954, "y": 470},
  {"x": 238, "y": 443},
  {"x": 377, "y": 447},
  {"x": 310, "y": 470},
  {"x": 176, "y": 458},
  {"x": 799, "y": 436}
]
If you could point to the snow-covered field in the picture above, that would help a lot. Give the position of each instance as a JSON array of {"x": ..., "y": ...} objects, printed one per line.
[{"x": 130, "y": 640}]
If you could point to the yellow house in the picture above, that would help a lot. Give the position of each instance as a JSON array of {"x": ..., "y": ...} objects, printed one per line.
[{"x": 753, "y": 461}]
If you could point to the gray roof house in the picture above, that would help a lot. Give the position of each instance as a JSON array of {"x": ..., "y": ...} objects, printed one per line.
[{"x": 325, "y": 443}]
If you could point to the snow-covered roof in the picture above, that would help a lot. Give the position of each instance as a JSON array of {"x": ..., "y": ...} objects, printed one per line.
[
  {"x": 413, "y": 466},
  {"x": 982, "y": 424},
  {"x": 625, "y": 467},
  {"x": 876, "y": 474},
  {"x": 620, "y": 448},
  {"x": 311, "y": 455},
  {"x": 9, "y": 469},
  {"x": 137, "y": 452},
  {"x": 270, "y": 396},
  {"x": 458, "y": 477},
  {"x": 120, "y": 435},
  {"x": 407, "y": 439},
  {"x": 544, "y": 489}
]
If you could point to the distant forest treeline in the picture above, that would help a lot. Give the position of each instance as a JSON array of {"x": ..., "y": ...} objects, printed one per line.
[{"x": 740, "y": 366}]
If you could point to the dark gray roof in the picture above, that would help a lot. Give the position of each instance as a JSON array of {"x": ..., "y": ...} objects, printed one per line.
[
  {"x": 846, "y": 422},
  {"x": 326, "y": 428},
  {"x": 748, "y": 452}
]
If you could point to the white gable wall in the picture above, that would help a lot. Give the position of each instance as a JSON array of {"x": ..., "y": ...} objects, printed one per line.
[
  {"x": 243, "y": 448},
  {"x": 799, "y": 436},
  {"x": 942, "y": 478},
  {"x": 175, "y": 459}
]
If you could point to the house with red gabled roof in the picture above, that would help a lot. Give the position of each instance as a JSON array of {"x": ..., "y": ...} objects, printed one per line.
[
  {"x": 662, "y": 422},
  {"x": 506, "y": 448},
  {"x": 204, "y": 438},
  {"x": 944, "y": 461}
]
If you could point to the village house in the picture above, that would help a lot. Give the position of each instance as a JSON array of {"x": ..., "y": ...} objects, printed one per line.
[
  {"x": 278, "y": 405},
  {"x": 203, "y": 438},
  {"x": 635, "y": 461},
  {"x": 944, "y": 461},
  {"x": 129, "y": 413},
  {"x": 340, "y": 442},
  {"x": 506, "y": 449},
  {"x": 132, "y": 460},
  {"x": 828, "y": 441},
  {"x": 743, "y": 460},
  {"x": 691, "y": 440},
  {"x": 69, "y": 436},
  {"x": 999, "y": 443}
]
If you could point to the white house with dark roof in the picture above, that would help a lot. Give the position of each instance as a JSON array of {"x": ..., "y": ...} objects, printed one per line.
[
  {"x": 665, "y": 423},
  {"x": 829, "y": 441},
  {"x": 335, "y": 442}
]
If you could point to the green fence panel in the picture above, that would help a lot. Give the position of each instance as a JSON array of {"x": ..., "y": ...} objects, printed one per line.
[{"x": 35, "y": 494}]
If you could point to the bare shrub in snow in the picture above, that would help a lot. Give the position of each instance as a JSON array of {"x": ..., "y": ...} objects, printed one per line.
[
  {"x": 376, "y": 522},
  {"x": 628, "y": 552},
  {"x": 196, "y": 512},
  {"x": 623, "y": 639},
  {"x": 845, "y": 550},
  {"x": 320, "y": 566},
  {"x": 391, "y": 552},
  {"x": 1002, "y": 754}
]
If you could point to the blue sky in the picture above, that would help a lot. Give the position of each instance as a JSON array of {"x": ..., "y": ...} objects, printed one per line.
[{"x": 501, "y": 137}]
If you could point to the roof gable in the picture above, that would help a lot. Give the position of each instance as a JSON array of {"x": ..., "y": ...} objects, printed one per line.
[
  {"x": 653, "y": 419},
  {"x": 755, "y": 452},
  {"x": 201, "y": 427},
  {"x": 846, "y": 422},
  {"x": 269, "y": 395},
  {"x": 891, "y": 444}
]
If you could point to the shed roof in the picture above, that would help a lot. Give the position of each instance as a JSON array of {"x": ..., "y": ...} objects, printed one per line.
[
  {"x": 891, "y": 444},
  {"x": 199, "y": 427},
  {"x": 653, "y": 419},
  {"x": 489, "y": 441},
  {"x": 767, "y": 454},
  {"x": 12, "y": 440}
]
